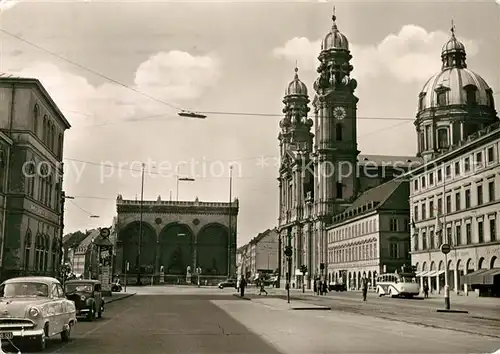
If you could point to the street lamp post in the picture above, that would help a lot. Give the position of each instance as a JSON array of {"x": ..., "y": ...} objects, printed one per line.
[
  {"x": 138, "y": 262},
  {"x": 229, "y": 236}
]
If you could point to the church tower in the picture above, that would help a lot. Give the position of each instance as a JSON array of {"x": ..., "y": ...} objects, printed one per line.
[{"x": 335, "y": 108}]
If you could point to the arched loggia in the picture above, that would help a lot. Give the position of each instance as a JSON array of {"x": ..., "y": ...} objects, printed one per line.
[
  {"x": 129, "y": 238},
  {"x": 176, "y": 248},
  {"x": 212, "y": 249}
]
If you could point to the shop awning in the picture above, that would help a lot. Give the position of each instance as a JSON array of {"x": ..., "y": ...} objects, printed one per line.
[
  {"x": 489, "y": 276},
  {"x": 474, "y": 277}
]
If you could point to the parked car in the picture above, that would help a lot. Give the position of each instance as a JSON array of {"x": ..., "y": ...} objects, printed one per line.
[
  {"x": 334, "y": 286},
  {"x": 33, "y": 309},
  {"x": 228, "y": 283},
  {"x": 87, "y": 295}
]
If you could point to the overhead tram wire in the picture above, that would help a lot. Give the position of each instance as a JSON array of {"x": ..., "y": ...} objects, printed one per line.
[{"x": 79, "y": 207}]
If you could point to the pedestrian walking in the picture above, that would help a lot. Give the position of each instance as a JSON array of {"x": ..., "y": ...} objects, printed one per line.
[
  {"x": 243, "y": 284},
  {"x": 261, "y": 287},
  {"x": 364, "y": 286},
  {"x": 426, "y": 290},
  {"x": 315, "y": 286},
  {"x": 325, "y": 287}
]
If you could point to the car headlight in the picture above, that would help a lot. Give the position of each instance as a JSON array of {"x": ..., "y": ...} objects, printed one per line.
[
  {"x": 82, "y": 297},
  {"x": 34, "y": 312}
]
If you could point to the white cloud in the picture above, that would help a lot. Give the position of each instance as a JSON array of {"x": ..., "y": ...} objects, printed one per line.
[
  {"x": 411, "y": 55},
  {"x": 172, "y": 77}
]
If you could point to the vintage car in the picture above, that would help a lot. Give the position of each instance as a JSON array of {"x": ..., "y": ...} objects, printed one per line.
[
  {"x": 87, "y": 295},
  {"x": 33, "y": 309}
]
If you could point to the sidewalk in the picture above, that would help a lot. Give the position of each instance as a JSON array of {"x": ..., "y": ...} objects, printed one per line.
[{"x": 117, "y": 297}]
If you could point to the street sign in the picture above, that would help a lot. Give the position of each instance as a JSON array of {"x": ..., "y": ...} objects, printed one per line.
[
  {"x": 445, "y": 248},
  {"x": 105, "y": 232}
]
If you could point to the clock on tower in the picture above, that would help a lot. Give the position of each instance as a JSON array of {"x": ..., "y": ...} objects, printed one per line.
[{"x": 339, "y": 113}]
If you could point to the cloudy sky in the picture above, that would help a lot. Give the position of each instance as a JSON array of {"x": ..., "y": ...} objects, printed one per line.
[{"x": 131, "y": 64}]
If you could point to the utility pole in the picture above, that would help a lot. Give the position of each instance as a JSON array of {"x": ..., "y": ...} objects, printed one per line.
[
  {"x": 279, "y": 262},
  {"x": 138, "y": 262},
  {"x": 230, "y": 234}
]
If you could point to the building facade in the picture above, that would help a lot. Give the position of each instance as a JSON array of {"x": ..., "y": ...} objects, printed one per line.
[
  {"x": 454, "y": 196},
  {"x": 31, "y": 174},
  {"x": 321, "y": 174},
  {"x": 176, "y": 235},
  {"x": 371, "y": 237}
]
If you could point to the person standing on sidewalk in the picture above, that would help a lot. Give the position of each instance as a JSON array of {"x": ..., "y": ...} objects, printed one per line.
[
  {"x": 243, "y": 284},
  {"x": 261, "y": 287},
  {"x": 364, "y": 286},
  {"x": 426, "y": 290}
]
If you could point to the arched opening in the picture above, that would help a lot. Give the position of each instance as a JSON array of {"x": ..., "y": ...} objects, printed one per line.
[
  {"x": 212, "y": 250},
  {"x": 450, "y": 269},
  {"x": 129, "y": 238},
  {"x": 481, "y": 264},
  {"x": 176, "y": 249},
  {"x": 460, "y": 273},
  {"x": 493, "y": 262}
]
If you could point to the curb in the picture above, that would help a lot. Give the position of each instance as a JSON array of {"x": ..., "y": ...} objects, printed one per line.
[
  {"x": 119, "y": 298},
  {"x": 242, "y": 298},
  {"x": 312, "y": 308},
  {"x": 452, "y": 311}
]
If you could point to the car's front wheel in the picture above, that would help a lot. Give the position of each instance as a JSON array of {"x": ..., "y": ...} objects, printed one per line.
[
  {"x": 40, "y": 343},
  {"x": 91, "y": 314}
]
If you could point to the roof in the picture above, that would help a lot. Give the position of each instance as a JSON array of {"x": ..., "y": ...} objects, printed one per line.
[
  {"x": 261, "y": 235},
  {"x": 84, "y": 245},
  {"x": 33, "y": 81},
  {"x": 32, "y": 279},
  {"x": 74, "y": 239},
  {"x": 390, "y": 160},
  {"x": 379, "y": 194}
]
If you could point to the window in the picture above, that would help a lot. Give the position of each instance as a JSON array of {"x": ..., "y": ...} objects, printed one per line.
[
  {"x": 480, "y": 232},
  {"x": 36, "y": 114},
  {"x": 431, "y": 209},
  {"x": 424, "y": 240},
  {"x": 394, "y": 250},
  {"x": 479, "y": 195},
  {"x": 394, "y": 224},
  {"x": 448, "y": 204},
  {"x": 458, "y": 234},
  {"x": 471, "y": 95},
  {"x": 432, "y": 240},
  {"x": 338, "y": 132},
  {"x": 467, "y": 198},
  {"x": 468, "y": 233},
  {"x": 421, "y": 101},
  {"x": 423, "y": 182},
  {"x": 428, "y": 136},
  {"x": 440, "y": 175},
  {"x": 457, "y": 201},
  {"x": 441, "y": 98},
  {"x": 431, "y": 179},
  {"x": 406, "y": 225},
  {"x": 424, "y": 211},
  {"x": 439, "y": 206},
  {"x": 491, "y": 155},
  {"x": 27, "y": 250},
  {"x": 442, "y": 138},
  {"x": 467, "y": 164},
  {"x": 493, "y": 230},
  {"x": 60, "y": 146},
  {"x": 491, "y": 191},
  {"x": 339, "y": 188},
  {"x": 415, "y": 212},
  {"x": 440, "y": 238},
  {"x": 415, "y": 185},
  {"x": 479, "y": 160},
  {"x": 415, "y": 243},
  {"x": 457, "y": 168},
  {"x": 448, "y": 171},
  {"x": 448, "y": 235}
]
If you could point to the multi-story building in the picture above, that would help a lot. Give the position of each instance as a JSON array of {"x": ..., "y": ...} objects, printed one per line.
[
  {"x": 321, "y": 174},
  {"x": 454, "y": 196},
  {"x": 31, "y": 174},
  {"x": 372, "y": 236},
  {"x": 261, "y": 254}
]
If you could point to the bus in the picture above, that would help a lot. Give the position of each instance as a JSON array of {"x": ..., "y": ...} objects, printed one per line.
[{"x": 397, "y": 285}]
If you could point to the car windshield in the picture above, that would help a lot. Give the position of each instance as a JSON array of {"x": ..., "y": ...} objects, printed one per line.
[
  {"x": 71, "y": 288},
  {"x": 24, "y": 289}
]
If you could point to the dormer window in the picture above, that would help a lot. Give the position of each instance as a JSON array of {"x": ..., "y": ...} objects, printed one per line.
[
  {"x": 471, "y": 97},
  {"x": 441, "y": 98},
  {"x": 421, "y": 99}
]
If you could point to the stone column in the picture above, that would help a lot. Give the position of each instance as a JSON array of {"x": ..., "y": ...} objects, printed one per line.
[
  {"x": 455, "y": 279},
  {"x": 437, "y": 283},
  {"x": 466, "y": 287}
]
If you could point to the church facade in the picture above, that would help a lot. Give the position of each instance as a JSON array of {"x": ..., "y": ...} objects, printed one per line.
[{"x": 322, "y": 173}]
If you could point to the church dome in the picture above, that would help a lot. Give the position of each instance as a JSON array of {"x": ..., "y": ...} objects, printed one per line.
[
  {"x": 335, "y": 40},
  {"x": 296, "y": 87}
]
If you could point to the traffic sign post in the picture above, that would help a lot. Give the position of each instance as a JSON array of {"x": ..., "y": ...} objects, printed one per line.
[
  {"x": 445, "y": 249},
  {"x": 105, "y": 232}
]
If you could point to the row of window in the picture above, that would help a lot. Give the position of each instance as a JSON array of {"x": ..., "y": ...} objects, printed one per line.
[
  {"x": 426, "y": 209},
  {"x": 48, "y": 191},
  {"x": 52, "y": 139},
  {"x": 468, "y": 165},
  {"x": 353, "y": 230},
  {"x": 486, "y": 231},
  {"x": 351, "y": 253},
  {"x": 42, "y": 250}
]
